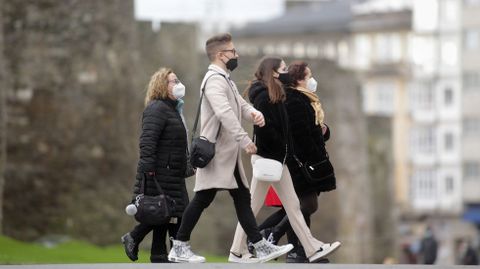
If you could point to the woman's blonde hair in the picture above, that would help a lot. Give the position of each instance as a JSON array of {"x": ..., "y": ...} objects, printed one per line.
[{"x": 158, "y": 85}]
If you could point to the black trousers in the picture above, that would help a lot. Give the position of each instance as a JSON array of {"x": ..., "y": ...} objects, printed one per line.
[
  {"x": 202, "y": 199},
  {"x": 280, "y": 223},
  {"x": 158, "y": 238}
]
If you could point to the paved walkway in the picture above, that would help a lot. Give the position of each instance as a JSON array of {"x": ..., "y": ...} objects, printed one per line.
[{"x": 229, "y": 266}]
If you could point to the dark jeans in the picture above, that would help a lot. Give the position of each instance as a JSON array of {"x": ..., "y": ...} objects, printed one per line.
[
  {"x": 158, "y": 238},
  {"x": 202, "y": 199}
]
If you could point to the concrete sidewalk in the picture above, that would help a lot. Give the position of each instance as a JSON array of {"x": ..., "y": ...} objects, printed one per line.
[{"x": 230, "y": 266}]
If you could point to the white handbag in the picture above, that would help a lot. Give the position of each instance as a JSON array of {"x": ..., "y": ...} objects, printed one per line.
[{"x": 267, "y": 170}]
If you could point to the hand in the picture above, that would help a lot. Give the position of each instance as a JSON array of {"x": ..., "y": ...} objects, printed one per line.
[
  {"x": 324, "y": 128},
  {"x": 251, "y": 148},
  {"x": 258, "y": 119}
]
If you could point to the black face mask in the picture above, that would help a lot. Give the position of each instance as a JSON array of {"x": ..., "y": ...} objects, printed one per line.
[
  {"x": 231, "y": 64},
  {"x": 285, "y": 78}
]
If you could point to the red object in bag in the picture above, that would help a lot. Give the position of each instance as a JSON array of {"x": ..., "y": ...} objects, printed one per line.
[{"x": 272, "y": 198}]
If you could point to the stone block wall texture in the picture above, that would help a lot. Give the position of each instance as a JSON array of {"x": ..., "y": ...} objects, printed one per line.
[{"x": 73, "y": 102}]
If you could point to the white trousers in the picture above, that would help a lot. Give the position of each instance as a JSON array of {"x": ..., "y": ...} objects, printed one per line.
[{"x": 286, "y": 192}]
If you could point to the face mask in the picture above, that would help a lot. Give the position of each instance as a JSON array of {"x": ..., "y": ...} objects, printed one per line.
[
  {"x": 178, "y": 91},
  {"x": 312, "y": 84},
  {"x": 285, "y": 78},
  {"x": 231, "y": 64}
]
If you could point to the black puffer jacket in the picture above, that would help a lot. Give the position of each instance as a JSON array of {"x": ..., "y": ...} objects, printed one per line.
[
  {"x": 309, "y": 142},
  {"x": 163, "y": 144},
  {"x": 271, "y": 138}
]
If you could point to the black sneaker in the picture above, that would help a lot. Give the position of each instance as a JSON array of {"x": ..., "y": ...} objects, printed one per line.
[
  {"x": 293, "y": 257},
  {"x": 159, "y": 258},
  {"x": 131, "y": 248},
  {"x": 297, "y": 255}
]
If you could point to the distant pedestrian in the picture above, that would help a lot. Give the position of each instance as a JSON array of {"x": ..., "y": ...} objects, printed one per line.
[
  {"x": 428, "y": 247},
  {"x": 468, "y": 255}
]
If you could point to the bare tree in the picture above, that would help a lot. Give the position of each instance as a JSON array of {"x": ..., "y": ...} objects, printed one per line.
[{"x": 3, "y": 118}]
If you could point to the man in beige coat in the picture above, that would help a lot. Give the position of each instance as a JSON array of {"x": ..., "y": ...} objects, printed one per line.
[{"x": 222, "y": 111}]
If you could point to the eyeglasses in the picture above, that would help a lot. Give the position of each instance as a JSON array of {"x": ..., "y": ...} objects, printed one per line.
[
  {"x": 234, "y": 51},
  {"x": 176, "y": 81}
]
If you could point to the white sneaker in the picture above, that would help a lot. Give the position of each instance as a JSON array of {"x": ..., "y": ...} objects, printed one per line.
[
  {"x": 244, "y": 258},
  {"x": 267, "y": 251},
  {"x": 182, "y": 252},
  {"x": 324, "y": 251}
]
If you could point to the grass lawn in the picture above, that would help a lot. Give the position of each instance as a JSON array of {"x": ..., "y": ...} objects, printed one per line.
[{"x": 17, "y": 252}]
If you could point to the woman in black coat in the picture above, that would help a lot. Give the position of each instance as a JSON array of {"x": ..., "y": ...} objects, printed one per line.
[
  {"x": 308, "y": 133},
  {"x": 163, "y": 148},
  {"x": 274, "y": 142}
]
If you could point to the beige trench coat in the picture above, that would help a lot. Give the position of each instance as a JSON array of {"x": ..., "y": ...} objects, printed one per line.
[{"x": 223, "y": 105}]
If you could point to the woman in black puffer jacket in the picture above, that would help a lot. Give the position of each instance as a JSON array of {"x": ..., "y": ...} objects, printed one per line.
[{"x": 163, "y": 148}]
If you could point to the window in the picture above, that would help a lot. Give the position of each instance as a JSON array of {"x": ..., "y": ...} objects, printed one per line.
[
  {"x": 449, "y": 142},
  {"x": 471, "y": 39},
  {"x": 423, "y": 140},
  {"x": 269, "y": 49},
  {"x": 448, "y": 97},
  {"x": 471, "y": 126},
  {"x": 312, "y": 51},
  {"x": 423, "y": 183},
  {"x": 388, "y": 47},
  {"x": 378, "y": 97},
  {"x": 421, "y": 96},
  {"x": 449, "y": 11},
  {"x": 299, "y": 50},
  {"x": 283, "y": 49},
  {"x": 449, "y": 53},
  {"x": 449, "y": 184},
  {"x": 471, "y": 81},
  {"x": 363, "y": 50},
  {"x": 471, "y": 170}
]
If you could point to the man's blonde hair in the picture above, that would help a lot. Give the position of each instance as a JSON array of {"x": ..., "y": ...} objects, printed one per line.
[{"x": 158, "y": 85}]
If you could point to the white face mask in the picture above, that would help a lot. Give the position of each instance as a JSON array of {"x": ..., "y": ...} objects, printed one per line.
[
  {"x": 312, "y": 84},
  {"x": 178, "y": 91}
]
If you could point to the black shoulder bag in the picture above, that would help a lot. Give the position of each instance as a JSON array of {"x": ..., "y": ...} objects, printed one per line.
[
  {"x": 314, "y": 172},
  {"x": 202, "y": 150},
  {"x": 153, "y": 210}
]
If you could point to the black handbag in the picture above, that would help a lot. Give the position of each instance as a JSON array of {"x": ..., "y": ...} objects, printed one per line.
[
  {"x": 202, "y": 150},
  {"x": 315, "y": 171},
  {"x": 153, "y": 210},
  {"x": 189, "y": 170}
]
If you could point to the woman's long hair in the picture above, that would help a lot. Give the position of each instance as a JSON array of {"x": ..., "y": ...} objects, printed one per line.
[
  {"x": 264, "y": 73},
  {"x": 158, "y": 85}
]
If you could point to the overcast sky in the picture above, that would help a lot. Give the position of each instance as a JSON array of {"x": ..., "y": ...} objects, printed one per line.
[{"x": 233, "y": 12}]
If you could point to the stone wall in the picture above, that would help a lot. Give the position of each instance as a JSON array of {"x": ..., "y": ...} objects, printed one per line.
[
  {"x": 3, "y": 119},
  {"x": 77, "y": 76},
  {"x": 72, "y": 107},
  {"x": 380, "y": 169}
]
